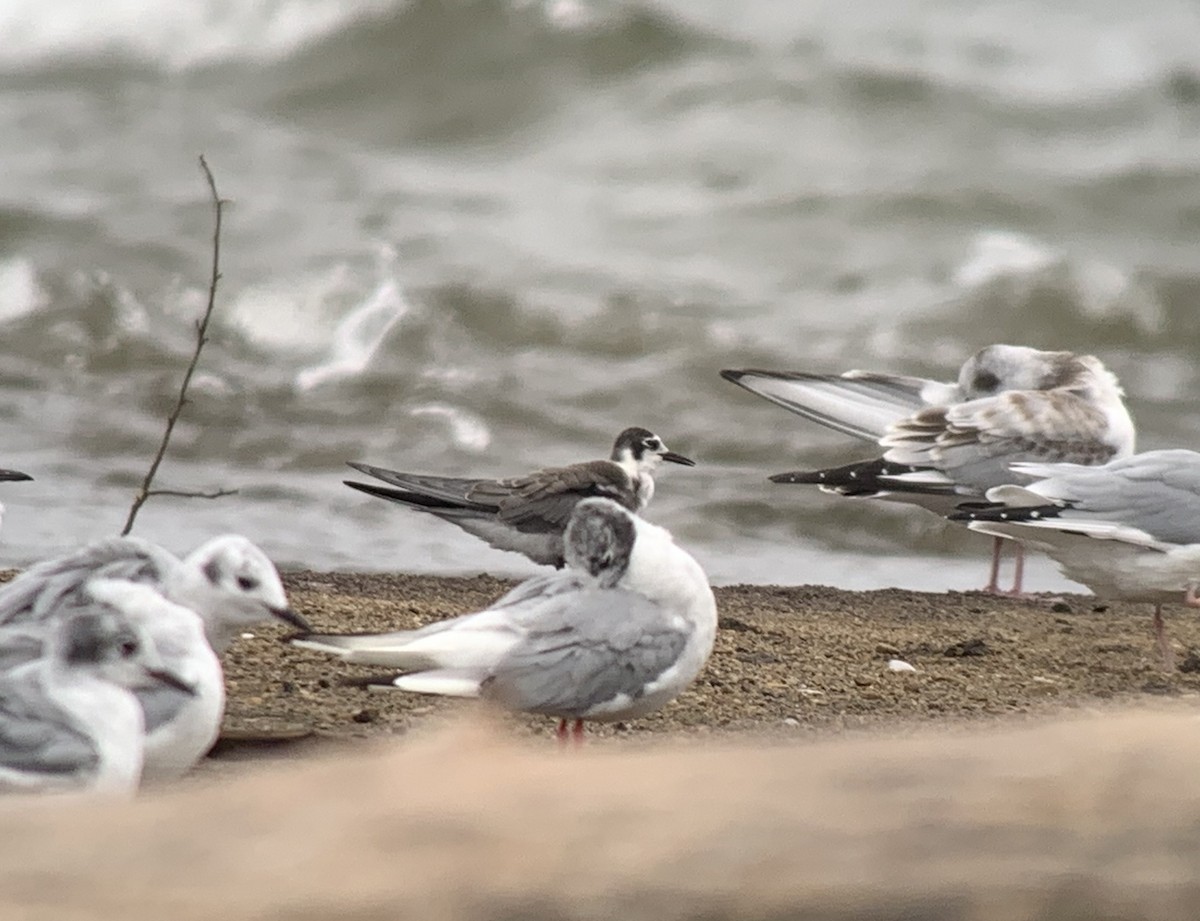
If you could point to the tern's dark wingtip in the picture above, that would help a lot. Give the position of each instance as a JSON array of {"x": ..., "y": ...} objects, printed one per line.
[
  {"x": 732, "y": 374},
  {"x": 14, "y": 476},
  {"x": 804, "y": 477}
]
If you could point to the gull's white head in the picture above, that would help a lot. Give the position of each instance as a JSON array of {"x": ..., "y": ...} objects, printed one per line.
[
  {"x": 231, "y": 584},
  {"x": 997, "y": 368},
  {"x": 102, "y": 642},
  {"x": 640, "y": 451}
]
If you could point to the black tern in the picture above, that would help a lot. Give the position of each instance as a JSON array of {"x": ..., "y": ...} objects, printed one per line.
[{"x": 528, "y": 514}]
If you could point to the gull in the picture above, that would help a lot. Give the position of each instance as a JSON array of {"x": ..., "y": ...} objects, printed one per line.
[
  {"x": 945, "y": 443},
  {"x": 205, "y": 600},
  {"x": 1128, "y": 530},
  {"x": 617, "y": 635},
  {"x": 68, "y": 719},
  {"x": 528, "y": 514}
]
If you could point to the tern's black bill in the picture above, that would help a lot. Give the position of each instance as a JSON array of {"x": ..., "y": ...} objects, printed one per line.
[
  {"x": 288, "y": 616},
  {"x": 678, "y": 459},
  {"x": 13, "y": 476},
  {"x": 170, "y": 679}
]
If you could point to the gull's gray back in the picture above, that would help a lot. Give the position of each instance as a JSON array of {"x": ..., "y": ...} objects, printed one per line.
[
  {"x": 583, "y": 650},
  {"x": 1157, "y": 492}
]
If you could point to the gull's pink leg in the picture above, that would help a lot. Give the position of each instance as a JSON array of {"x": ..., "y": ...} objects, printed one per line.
[
  {"x": 577, "y": 732},
  {"x": 993, "y": 586},
  {"x": 561, "y": 732},
  {"x": 1160, "y": 631},
  {"x": 1019, "y": 571}
]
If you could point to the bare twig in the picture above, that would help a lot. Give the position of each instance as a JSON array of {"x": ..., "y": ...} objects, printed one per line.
[
  {"x": 145, "y": 492},
  {"x": 191, "y": 494}
]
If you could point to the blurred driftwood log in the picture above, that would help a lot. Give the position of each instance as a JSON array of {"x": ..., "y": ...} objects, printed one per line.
[{"x": 1093, "y": 819}]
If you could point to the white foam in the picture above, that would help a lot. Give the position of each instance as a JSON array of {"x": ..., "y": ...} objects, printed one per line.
[
  {"x": 171, "y": 35},
  {"x": 1099, "y": 290},
  {"x": 467, "y": 430},
  {"x": 20, "y": 292},
  {"x": 997, "y": 253}
]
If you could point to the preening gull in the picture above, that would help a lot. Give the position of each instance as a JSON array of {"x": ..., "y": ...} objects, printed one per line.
[{"x": 945, "y": 443}]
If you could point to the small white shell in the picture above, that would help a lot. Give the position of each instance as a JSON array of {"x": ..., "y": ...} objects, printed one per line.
[{"x": 899, "y": 665}]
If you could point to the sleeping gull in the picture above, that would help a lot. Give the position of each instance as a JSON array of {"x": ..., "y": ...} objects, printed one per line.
[
  {"x": 617, "y": 635},
  {"x": 206, "y": 600},
  {"x": 947, "y": 442},
  {"x": 1128, "y": 530},
  {"x": 528, "y": 514},
  {"x": 67, "y": 719}
]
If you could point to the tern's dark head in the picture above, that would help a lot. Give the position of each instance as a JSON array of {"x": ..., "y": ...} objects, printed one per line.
[
  {"x": 639, "y": 450},
  {"x": 599, "y": 540}
]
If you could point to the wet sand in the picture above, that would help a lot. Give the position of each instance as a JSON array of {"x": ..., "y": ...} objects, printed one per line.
[{"x": 790, "y": 662}]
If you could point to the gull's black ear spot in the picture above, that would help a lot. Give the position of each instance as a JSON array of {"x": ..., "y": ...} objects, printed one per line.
[
  {"x": 985, "y": 382},
  {"x": 91, "y": 636},
  {"x": 212, "y": 572}
]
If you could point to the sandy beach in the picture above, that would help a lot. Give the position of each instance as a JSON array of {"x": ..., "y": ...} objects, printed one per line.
[{"x": 790, "y": 662}]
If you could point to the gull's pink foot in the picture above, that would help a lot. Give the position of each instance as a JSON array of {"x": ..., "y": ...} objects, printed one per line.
[{"x": 567, "y": 732}]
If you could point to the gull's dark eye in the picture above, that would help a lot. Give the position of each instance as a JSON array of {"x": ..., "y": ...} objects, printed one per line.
[
  {"x": 247, "y": 584},
  {"x": 129, "y": 648}
]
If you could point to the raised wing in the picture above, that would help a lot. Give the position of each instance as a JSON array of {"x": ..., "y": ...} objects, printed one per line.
[{"x": 858, "y": 403}]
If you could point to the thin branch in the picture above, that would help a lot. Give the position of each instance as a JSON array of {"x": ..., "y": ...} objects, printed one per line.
[
  {"x": 145, "y": 492},
  {"x": 191, "y": 494}
]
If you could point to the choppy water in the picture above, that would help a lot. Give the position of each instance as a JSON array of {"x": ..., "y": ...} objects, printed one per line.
[{"x": 484, "y": 236}]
